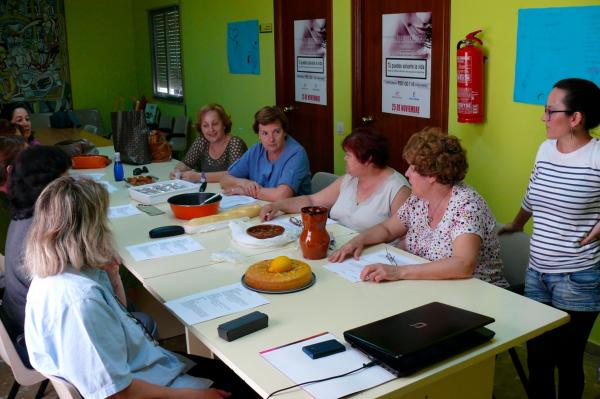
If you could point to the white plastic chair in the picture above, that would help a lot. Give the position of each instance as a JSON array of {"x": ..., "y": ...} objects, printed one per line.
[
  {"x": 63, "y": 388},
  {"x": 320, "y": 180},
  {"x": 22, "y": 374}
]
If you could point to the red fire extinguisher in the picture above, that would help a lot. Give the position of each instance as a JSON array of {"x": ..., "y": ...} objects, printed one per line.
[{"x": 469, "y": 79}]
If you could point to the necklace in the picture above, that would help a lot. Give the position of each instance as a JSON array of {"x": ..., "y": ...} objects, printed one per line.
[{"x": 431, "y": 214}]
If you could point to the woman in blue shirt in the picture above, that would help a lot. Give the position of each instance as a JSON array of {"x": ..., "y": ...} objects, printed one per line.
[{"x": 274, "y": 169}]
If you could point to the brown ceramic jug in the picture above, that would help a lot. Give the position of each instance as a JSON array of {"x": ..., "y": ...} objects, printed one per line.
[{"x": 314, "y": 240}]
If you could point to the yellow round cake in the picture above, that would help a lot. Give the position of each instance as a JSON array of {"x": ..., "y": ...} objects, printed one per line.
[{"x": 279, "y": 274}]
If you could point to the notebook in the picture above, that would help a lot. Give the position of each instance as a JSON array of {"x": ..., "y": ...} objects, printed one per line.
[{"x": 417, "y": 338}]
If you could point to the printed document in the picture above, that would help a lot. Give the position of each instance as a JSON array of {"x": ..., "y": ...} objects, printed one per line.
[
  {"x": 121, "y": 211},
  {"x": 218, "y": 302},
  {"x": 167, "y": 247},
  {"x": 350, "y": 268}
]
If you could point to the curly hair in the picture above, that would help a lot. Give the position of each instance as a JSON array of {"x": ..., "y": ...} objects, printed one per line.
[
  {"x": 433, "y": 153},
  {"x": 225, "y": 118},
  {"x": 70, "y": 219},
  {"x": 267, "y": 115},
  {"x": 10, "y": 147},
  {"x": 367, "y": 144},
  {"x": 33, "y": 170}
]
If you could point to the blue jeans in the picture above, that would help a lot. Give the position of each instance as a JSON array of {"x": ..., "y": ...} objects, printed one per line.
[{"x": 577, "y": 291}]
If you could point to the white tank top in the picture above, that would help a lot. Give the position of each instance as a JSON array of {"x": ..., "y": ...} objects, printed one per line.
[{"x": 373, "y": 210}]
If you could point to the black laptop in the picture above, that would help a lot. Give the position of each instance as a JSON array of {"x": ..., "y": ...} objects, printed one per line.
[{"x": 419, "y": 337}]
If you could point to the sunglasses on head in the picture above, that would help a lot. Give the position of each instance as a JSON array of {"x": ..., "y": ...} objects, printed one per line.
[{"x": 139, "y": 171}]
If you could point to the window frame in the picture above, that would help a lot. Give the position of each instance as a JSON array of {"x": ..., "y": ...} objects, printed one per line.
[{"x": 164, "y": 11}]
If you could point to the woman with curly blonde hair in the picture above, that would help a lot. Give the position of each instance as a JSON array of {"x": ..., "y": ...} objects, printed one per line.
[{"x": 444, "y": 220}]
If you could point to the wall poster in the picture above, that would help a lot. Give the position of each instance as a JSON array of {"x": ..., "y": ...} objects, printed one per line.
[
  {"x": 310, "y": 54},
  {"x": 243, "y": 52},
  {"x": 33, "y": 51},
  {"x": 406, "y": 63}
]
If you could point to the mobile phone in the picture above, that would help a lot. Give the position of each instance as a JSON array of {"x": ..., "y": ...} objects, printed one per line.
[
  {"x": 149, "y": 209},
  {"x": 323, "y": 349}
]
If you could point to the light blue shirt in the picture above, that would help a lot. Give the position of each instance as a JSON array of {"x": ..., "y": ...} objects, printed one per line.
[
  {"x": 76, "y": 329},
  {"x": 291, "y": 168}
]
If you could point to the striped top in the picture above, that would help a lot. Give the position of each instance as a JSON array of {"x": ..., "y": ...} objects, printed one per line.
[{"x": 564, "y": 197}]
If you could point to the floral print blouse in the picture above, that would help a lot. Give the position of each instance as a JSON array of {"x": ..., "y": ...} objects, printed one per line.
[{"x": 467, "y": 213}]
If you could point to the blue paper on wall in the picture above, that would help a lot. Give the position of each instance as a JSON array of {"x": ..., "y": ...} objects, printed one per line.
[
  {"x": 242, "y": 47},
  {"x": 553, "y": 44}
]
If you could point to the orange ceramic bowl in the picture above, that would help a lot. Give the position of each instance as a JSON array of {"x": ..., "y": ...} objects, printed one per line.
[
  {"x": 187, "y": 206},
  {"x": 90, "y": 161}
]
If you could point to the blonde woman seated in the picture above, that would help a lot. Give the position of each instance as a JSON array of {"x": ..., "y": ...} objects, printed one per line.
[
  {"x": 369, "y": 193},
  {"x": 75, "y": 326},
  {"x": 444, "y": 220},
  {"x": 214, "y": 150}
]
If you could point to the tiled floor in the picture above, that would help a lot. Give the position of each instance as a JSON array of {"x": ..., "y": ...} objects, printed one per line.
[{"x": 507, "y": 384}]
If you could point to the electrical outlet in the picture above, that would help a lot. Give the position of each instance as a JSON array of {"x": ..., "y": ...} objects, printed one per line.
[{"x": 339, "y": 128}]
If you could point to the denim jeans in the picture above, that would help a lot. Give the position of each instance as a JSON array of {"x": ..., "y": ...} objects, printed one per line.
[{"x": 577, "y": 291}]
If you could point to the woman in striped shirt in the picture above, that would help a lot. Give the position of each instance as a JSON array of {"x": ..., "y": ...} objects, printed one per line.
[{"x": 563, "y": 197}]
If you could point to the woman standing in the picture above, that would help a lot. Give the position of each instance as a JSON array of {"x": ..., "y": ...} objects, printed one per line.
[
  {"x": 563, "y": 197},
  {"x": 214, "y": 150},
  {"x": 368, "y": 194},
  {"x": 443, "y": 220}
]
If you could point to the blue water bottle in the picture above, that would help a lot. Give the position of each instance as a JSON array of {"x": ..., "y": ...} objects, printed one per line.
[{"x": 118, "y": 167}]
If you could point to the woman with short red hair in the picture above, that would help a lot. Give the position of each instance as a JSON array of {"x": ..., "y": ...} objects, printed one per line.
[{"x": 367, "y": 194}]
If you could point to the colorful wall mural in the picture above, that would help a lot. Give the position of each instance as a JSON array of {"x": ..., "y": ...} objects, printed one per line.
[{"x": 33, "y": 51}]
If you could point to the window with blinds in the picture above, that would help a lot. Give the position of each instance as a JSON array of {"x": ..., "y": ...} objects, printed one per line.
[{"x": 166, "y": 53}]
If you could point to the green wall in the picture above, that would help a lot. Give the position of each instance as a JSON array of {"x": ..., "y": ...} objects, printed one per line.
[
  {"x": 109, "y": 53},
  {"x": 101, "y": 53}
]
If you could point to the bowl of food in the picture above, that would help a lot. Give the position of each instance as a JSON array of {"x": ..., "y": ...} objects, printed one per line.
[
  {"x": 140, "y": 180},
  {"x": 191, "y": 205}
]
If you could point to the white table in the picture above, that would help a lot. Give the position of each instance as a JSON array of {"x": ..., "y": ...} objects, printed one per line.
[{"x": 332, "y": 304}]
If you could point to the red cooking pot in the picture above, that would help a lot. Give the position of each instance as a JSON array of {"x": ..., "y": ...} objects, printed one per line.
[{"x": 188, "y": 206}]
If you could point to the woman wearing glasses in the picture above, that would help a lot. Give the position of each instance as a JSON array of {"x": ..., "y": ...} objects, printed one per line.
[
  {"x": 563, "y": 197},
  {"x": 75, "y": 326}
]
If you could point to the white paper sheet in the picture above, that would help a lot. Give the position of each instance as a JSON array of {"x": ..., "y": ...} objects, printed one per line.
[
  {"x": 166, "y": 247},
  {"x": 109, "y": 187},
  {"x": 121, "y": 211},
  {"x": 296, "y": 365},
  {"x": 218, "y": 302},
  {"x": 350, "y": 268},
  {"x": 229, "y": 201},
  {"x": 93, "y": 176}
]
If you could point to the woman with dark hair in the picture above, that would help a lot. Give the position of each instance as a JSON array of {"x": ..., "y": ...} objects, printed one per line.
[
  {"x": 444, "y": 220},
  {"x": 369, "y": 193},
  {"x": 563, "y": 196},
  {"x": 10, "y": 147},
  {"x": 274, "y": 169},
  {"x": 32, "y": 171},
  {"x": 214, "y": 150},
  {"x": 18, "y": 114}
]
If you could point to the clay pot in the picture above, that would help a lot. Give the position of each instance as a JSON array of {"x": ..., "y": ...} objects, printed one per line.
[{"x": 314, "y": 240}]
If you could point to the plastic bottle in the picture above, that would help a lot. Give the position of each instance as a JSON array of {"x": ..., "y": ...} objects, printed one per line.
[
  {"x": 203, "y": 183},
  {"x": 118, "y": 167}
]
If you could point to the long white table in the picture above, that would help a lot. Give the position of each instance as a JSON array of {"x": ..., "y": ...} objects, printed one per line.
[{"x": 332, "y": 304}]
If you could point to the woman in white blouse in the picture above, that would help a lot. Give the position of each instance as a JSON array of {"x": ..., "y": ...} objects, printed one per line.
[{"x": 366, "y": 195}]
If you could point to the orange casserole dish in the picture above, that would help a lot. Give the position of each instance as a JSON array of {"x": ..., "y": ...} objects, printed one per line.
[{"x": 90, "y": 161}]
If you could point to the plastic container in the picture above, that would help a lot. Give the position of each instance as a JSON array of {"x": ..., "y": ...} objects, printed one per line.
[
  {"x": 118, "y": 167},
  {"x": 159, "y": 192}
]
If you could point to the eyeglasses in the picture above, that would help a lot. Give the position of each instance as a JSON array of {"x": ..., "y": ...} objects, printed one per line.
[
  {"x": 548, "y": 112},
  {"x": 390, "y": 257},
  {"x": 141, "y": 325},
  {"x": 139, "y": 171}
]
